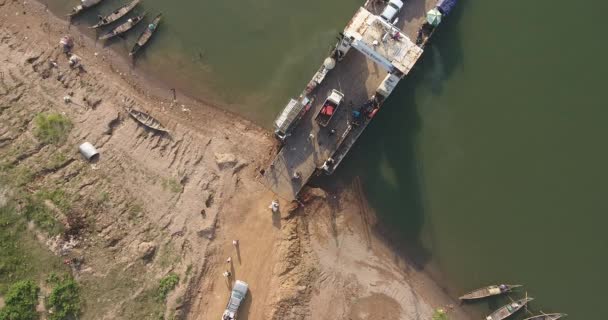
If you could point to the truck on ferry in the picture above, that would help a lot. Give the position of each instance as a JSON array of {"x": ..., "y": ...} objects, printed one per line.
[{"x": 329, "y": 107}]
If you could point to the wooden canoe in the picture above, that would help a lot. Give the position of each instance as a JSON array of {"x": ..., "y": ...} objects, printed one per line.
[
  {"x": 508, "y": 310},
  {"x": 146, "y": 120},
  {"x": 83, "y": 6},
  {"x": 146, "y": 35},
  {"x": 489, "y": 291},
  {"x": 116, "y": 14},
  {"x": 548, "y": 316},
  {"x": 132, "y": 22}
]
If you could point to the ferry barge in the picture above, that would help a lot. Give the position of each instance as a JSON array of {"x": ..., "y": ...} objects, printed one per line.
[{"x": 318, "y": 128}]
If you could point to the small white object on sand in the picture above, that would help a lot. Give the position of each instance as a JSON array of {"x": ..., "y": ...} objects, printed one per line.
[
  {"x": 274, "y": 206},
  {"x": 74, "y": 61}
]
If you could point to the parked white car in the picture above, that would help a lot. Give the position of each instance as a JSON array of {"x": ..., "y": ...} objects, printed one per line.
[
  {"x": 239, "y": 292},
  {"x": 390, "y": 12}
]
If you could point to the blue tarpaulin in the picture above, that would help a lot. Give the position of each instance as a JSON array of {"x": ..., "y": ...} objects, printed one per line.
[{"x": 446, "y": 6}]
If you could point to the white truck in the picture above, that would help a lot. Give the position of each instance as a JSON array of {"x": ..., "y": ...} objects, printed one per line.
[
  {"x": 237, "y": 296},
  {"x": 390, "y": 11},
  {"x": 329, "y": 107}
]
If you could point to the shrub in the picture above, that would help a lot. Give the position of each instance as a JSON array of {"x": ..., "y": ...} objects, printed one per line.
[
  {"x": 52, "y": 128},
  {"x": 21, "y": 301},
  {"x": 167, "y": 284},
  {"x": 35, "y": 210},
  {"x": 64, "y": 301},
  {"x": 440, "y": 314}
]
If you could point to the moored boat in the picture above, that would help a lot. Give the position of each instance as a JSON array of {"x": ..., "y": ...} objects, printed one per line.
[
  {"x": 146, "y": 35},
  {"x": 509, "y": 309},
  {"x": 548, "y": 316},
  {"x": 116, "y": 14},
  {"x": 84, "y": 4},
  {"x": 489, "y": 291},
  {"x": 123, "y": 27},
  {"x": 146, "y": 120}
]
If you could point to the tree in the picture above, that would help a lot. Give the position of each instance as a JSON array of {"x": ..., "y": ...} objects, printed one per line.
[{"x": 21, "y": 301}]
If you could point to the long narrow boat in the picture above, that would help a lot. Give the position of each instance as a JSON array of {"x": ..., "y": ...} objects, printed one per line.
[
  {"x": 146, "y": 35},
  {"x": 84, "y": 4},
  {"x": 489, "y": 291},
  {"x": 548, "y": 316},
  {"x": 123, "y": 27},
  {"x": 508, "y": 310},
  {"x": 146, "y": 120},
  {"x": 117, "y": 14}
]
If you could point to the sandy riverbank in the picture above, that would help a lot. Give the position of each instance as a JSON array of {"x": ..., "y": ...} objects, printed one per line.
[{"x": 159, "y": 204}]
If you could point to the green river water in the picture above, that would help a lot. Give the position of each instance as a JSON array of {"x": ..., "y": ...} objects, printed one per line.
[{"x": 488, "y": 163}]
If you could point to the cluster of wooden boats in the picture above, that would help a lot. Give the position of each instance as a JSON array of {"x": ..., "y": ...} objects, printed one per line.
[
  {"x": 122, "y": 28},
  {"x": 509, "y": 309}
]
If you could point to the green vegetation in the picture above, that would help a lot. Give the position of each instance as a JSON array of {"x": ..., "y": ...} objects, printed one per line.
[
  {"x": 188, "y": 270},
  {"x": 36, "y": 211},
  {"x": 167, "y": 284},
  {"x": 102, "y": 198},
  {"x": 440, "y": 314},
  {"x": 135, "y": 209},
  {"x": 41, "y": 214},
  {"x": 173, "y": 185},
  {"x": 56, "y": 160},
  {"x": 16, "y": 176},
  {"x": 64, "y": 301},
  {"x": 21, "y": 301},
  {"x": 52, "y": 128},
  {"x": 57, "y": 196},
  {"x": 167, "y": 256},
  {"x": 22, "y": 257},
  {"x": 11, "y": 257}
]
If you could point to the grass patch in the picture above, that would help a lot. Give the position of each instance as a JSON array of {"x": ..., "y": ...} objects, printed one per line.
[
  {"x": 188, "y": 270},
  {"x": 167, "y": 256},
  {"x": 21, "y": 301},
  {"x": 172, "y": 185},
  {"x": 36, "y": 211},
  {"x": 57, "y": 196},
  {"x": 166, "y": 285},
  {"x": 64, "y": 300},
  {"x": 52, "y": 128},
  {"x": 440, "y": 314},
  {"x": 56, "y": 160},
  {"x": 17, "y": 176},
  {"x": 144, "y": 306},
  {"x": 102, "y": 198},
  {"x": 22, "y": 257},
  {"x": 135, "y": 209}
]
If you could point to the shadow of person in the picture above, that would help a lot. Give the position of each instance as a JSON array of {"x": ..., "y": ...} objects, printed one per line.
[
  {"x": 232, "y": 270},
  {"x": 276, "y": 219},
  {"x": 238, "y": 252}
]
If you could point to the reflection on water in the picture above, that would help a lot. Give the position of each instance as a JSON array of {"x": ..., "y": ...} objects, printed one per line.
[{"x": 250, "y": 56}]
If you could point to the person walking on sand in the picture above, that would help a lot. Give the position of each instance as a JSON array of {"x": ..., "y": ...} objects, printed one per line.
[
  {"x": 227, "y": 274},
  {"x": 235, "y": 243},
  {"x": 229, "y": 260}
]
